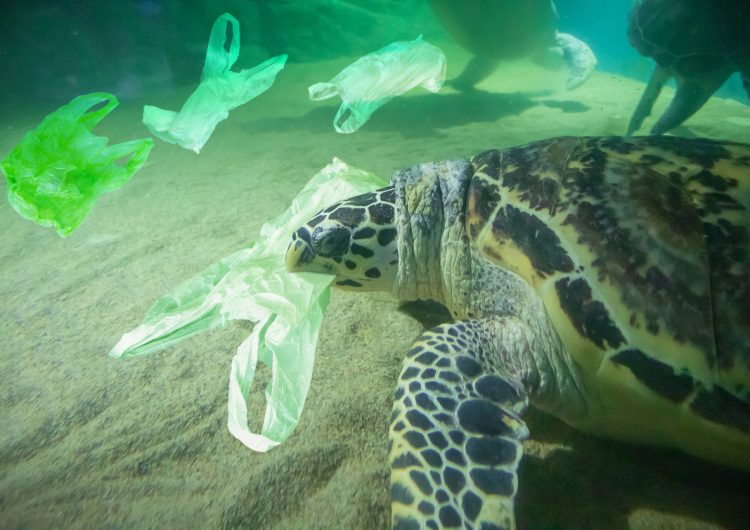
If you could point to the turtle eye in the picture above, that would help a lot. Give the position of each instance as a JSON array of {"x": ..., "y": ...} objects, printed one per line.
[{"x": 330, "y": 242}]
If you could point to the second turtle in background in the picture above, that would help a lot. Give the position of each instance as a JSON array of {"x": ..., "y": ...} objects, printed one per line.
[
  {"x": 501, "y": 30},
  {"x": 699, "y": 43}
]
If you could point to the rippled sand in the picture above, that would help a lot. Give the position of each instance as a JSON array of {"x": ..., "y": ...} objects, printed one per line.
[{"x": 90, "y": 442}]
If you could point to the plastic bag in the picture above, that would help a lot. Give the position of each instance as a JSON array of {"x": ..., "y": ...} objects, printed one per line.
[
  {"x": 59, "y": 169},
  {"x": 373, "y": 80},
  {"x": 220, "y": 90},
  {"x": 252, "y": 284}
]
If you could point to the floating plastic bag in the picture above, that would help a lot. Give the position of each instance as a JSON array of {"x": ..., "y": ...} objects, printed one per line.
[
  {"x": 373, "y": 80},
  {"x": 60, "y": 168},
  {"x": 219, "y": 91},
  {"x": 252, "y": 284}
]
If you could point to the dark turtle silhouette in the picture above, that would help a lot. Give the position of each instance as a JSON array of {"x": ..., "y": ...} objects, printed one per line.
[
  {"x": 500, "y": 30},
  {"x": 700, "y": 43}
]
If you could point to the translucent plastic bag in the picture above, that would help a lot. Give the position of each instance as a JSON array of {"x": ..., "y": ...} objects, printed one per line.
[
  {"x": 373, "y": 80},
  {"x": 253, "y": 285},
  {"x": 59, "y": 170},
  {"x": 219, "y": 91}
]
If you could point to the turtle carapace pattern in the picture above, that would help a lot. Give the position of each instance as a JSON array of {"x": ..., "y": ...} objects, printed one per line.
[
  {"x": 604, "y": 280},
  {"x": 700, "y": 44}
]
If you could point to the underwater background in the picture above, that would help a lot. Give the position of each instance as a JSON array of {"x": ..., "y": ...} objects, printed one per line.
[{"x": 91, "y": 442}]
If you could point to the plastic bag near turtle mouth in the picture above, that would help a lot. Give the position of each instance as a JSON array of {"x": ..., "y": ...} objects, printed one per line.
[
  {"x": 252, "y": 284},
  {"x": 60, "y": 168},
  {"x": 220, "y": 90},
  {"x": 375, "y": 79}
]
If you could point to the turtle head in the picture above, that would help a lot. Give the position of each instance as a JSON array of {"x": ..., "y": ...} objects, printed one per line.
[{"x": 355, "y": 239}]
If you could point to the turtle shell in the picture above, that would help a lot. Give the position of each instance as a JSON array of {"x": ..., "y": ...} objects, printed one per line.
[
  {"x": 640, "y": 251},
  {"x": 500, "y": 29},
  {"x": 693, "y": 37}
]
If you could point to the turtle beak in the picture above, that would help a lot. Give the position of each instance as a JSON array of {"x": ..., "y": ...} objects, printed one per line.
[{"x": 298, "y": 255}]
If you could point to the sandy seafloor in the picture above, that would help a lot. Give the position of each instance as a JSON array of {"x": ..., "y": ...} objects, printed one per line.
[{"x": 90, "y": 442}]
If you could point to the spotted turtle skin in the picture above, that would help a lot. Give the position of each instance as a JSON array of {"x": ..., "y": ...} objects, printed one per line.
[{"x": 604, "y": 280}]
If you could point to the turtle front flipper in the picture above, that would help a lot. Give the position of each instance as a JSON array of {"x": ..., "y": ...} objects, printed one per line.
[
  {"x": 477, "y": 69},
  {"x": 456, "y": 430},
  {"x": 578, "y": 56},
  {"x": 658, "y": 79},
  {"x": 692, "y": 93}
]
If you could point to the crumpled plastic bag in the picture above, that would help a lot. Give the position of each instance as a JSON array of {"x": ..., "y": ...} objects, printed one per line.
[
  {"x": 252, "y": 284},
  {"x": 373, "y": 80},
  {"x": 60, "y": 168},
  {"x": 220, "y": 90}
]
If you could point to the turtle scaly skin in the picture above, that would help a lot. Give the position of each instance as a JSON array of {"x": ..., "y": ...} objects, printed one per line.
[{"x": 604, "y": 280}]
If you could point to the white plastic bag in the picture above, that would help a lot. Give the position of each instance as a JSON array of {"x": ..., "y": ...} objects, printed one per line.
[
  {"x": 373, "y": 80},
  {"x": 253, "y": 284},
  {"x": 219, "y": 91}
]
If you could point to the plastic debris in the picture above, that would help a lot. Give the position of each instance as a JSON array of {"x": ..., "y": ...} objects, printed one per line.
[
  {"x": 252, "y": 284},
  {"x": 60, "y": 168},
  {"x": 373, "y": 80},
  {"x": 220, "y": 90}
]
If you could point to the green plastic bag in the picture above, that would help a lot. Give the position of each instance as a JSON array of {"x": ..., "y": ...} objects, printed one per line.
[
  {"x": 252, "y": 284},
  {"x": 375, "y": 79},
  {"x": 220, "y": 90},
  {"x": 60, "y": 168}
]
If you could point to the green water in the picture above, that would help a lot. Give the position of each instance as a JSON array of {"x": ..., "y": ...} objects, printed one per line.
[{"x": 90, "y": 442}]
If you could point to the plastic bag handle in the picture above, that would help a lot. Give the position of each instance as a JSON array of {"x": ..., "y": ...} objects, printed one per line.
[
  {"x": 218, "y": 59},
  {"x": 89, "y": 118},
  {"x": 320, "y": 91},
  {"x": 137, "y": 150}
]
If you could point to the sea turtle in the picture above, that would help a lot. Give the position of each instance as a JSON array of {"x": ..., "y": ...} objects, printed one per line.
[
  {"x": 605, "y": 280},
  {"x": 699, "y": 43},
  {"x": 500, "y": 30}
]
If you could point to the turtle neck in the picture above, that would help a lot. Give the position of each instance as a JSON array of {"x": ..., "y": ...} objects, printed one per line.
[{"x": 433, "y": 246}]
